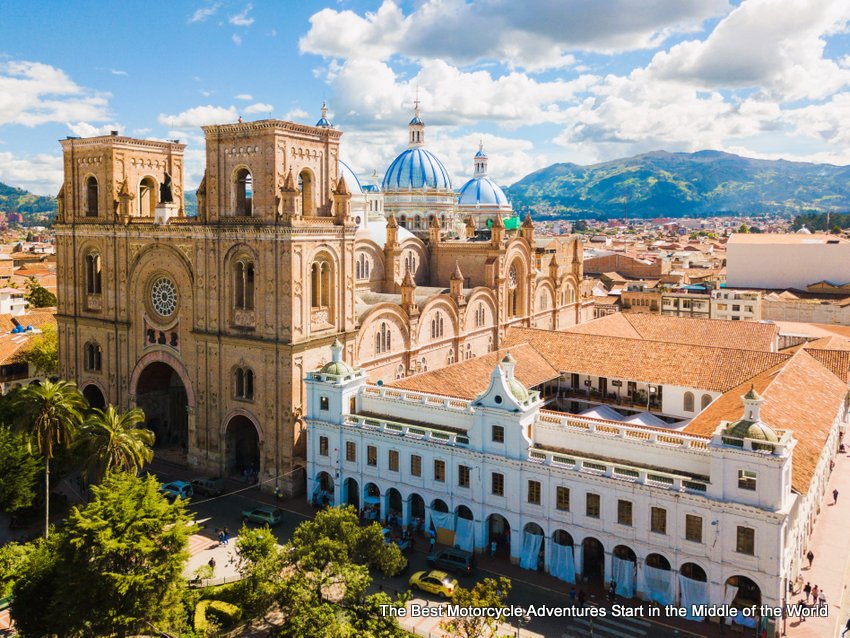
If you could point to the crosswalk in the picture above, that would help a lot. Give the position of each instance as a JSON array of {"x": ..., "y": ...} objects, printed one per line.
[
  {"x": 199, "y": 543},
  {"x": 607, "y": 628},
  {"x": 5, "y": 620}
]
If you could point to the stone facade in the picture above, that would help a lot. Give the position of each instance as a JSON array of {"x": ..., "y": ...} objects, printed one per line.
[{"x": 211, "y": 323}]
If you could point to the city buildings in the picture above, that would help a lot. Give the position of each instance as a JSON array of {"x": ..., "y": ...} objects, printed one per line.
[
  {"x": 685, "y": 473},
  {"x": 211, "y": 323}
]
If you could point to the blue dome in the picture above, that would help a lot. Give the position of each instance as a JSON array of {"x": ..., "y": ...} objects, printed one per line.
[
  {"x": 324, "y": 122},
  {"x": 481, "y": 191},
  {"x": 350, "y": 178},
  {"x": 416, "y": 120},
  {"x": 416, "y": 168},
  {"x": 481, "y": 153}
]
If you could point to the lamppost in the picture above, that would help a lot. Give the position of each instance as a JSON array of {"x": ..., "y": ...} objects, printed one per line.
[{"x": 522, "y": 620}]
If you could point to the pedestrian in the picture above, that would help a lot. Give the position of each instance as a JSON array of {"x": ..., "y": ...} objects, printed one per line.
[
  {"x": 582, "y": 597},
  {"x": 433, "y": 543},
  {"x": 835, "y": 496},
  {"x": 220, "y": 537},
  {"x": 226, "y": 536},
  {"x": 810, "y": 557},
  {"x": 276, "y": 493},
  {"x": 846, "y": 628},
  {"x": 821, "y": 599},
  {"x": 807, "y": 590},
  {"x": 612, "y": 591},
  {"x": 212, "y": 564},
  {"x": 493, "y": 547},
  {"x": 815, "y": 592},
  {"x": 573, "y": 597}
]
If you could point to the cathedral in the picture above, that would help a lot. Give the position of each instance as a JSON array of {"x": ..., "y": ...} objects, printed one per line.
[{"x": 210, "y": 323}]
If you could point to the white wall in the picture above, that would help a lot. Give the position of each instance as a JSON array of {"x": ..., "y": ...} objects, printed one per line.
[{"x": 793, "y": 265}]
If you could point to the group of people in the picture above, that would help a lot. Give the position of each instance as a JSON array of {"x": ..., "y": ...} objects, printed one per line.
[
  {"x": 579, "y": 597},
  {"x": 223, "y": 536}
]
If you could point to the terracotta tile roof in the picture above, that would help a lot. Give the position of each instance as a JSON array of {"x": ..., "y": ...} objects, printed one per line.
[
  {"x": 800, "y": 395},
  {"x": 35, "y": 318},
  {"x": 746, "y": 335},
  {"x": 692, "y": 366},
  {"x": 467, "y": 379}
]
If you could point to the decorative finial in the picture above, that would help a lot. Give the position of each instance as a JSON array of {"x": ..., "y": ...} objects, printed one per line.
[
  {"x": 457, "y": 275},
  {"x": 336, "y": 351},
  {"x": 416, "y": 103},
  {"x": 324, "y": 110},
  {"x": 480, "y": 145}
]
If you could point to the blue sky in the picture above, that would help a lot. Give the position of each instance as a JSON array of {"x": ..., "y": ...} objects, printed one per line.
[{"x": 539, "y": 81}]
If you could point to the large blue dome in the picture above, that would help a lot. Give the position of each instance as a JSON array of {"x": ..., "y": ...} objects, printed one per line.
[
  {"x": 481, "y": 191},
  {"x": 416, "y": 169}
]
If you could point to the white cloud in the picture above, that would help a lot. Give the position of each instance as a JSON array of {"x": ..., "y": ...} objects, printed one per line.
[
  {"x": 32, "y": 93},
  {"x": 237, "y": 39},
  {"x": 199, "y": 116},
  {"x": 84, "y": 129},
  {"x": 536, "y": 34},
  {"x": 295, "y": 115},
  {"x": 776, "y": 46},
  {"x": 259, "y": 107},
  {"x": 247, "y": 97},
  {"x": 203, "y": 13},
  {"x": 242, "y": 19},
  {"x": 41, "y": 174},
  {"x": 117, "y": 72}
]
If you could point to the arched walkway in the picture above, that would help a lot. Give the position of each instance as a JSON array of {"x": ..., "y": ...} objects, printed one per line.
[
  {"x": 394, "y": 506},
  {"x": 242, "y": 449},
  {"x": 624, "y": 570},
  {"x": 593, "y": 561},
  {"x": 694, "y": 572},
  {"x": 533, "y": 550},
  {"x": 498, "y": 532},
  {"x": 561, "y": 537},
  {"x": 741, "y": 592},
  {"x": 351, "y": 493},
  {"x": 323, "y": 493},
  {"x": 417, "y": 511},
  {"x": 657, "y": 561},
  {"x": 439, "y": 505},
  {"x": 163, "y": 397},
  {"x": 94, "y": 396},
  {"x": 464, "y": 512},
  {"x": 371, "y": 502}
]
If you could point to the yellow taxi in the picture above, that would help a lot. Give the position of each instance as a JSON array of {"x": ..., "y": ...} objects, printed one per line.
[{"x": 434, "y": 582}]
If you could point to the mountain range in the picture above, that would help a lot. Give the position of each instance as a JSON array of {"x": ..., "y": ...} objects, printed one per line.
[
  {"x": 662, "y": 184},
  {"x": 657, "y": 184}
]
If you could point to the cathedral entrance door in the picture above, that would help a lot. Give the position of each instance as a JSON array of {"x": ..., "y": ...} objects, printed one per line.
[
  {"x": 161, "y": 395},
  {"x": 242, "y": 445}
]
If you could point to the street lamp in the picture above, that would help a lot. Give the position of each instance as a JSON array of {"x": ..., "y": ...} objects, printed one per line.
[{"x": 522, "y": 620}]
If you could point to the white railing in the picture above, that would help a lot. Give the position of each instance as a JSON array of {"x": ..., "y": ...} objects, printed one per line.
[
  {"x": 619, "y": 471},
  {"x": 615, "y": 429},
  {"x": 419, "y": 432},
  {"x": 412, "y": 396}
]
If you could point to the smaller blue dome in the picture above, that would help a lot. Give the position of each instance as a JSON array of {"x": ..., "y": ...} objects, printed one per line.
[
  {"x": 481, "y": 191},
  {"x": 481, "y": 153},
  {"x": 351, "y": 180},
  {"x": 416, "y": 120},
  {"x": 324, "y": 122}
]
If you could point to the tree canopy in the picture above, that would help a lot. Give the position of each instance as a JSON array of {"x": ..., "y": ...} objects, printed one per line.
[
  {"x": 111, "y": 440},
  {"x": 491, "y": 592},
  {"x": 20, "y": 470},
  {"x": 39, "y": 296},
  {"x": 122, "y": 556},
  {"x": 43, "y": 352}
]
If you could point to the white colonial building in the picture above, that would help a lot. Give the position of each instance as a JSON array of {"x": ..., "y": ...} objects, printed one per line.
[{"x": 684, "y": 513}]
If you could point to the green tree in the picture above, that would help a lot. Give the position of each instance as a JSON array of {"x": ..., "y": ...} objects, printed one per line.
[
  {"x": 43, "y": 352},
  {"x": 836, "y": 229},
  {"x": 35, "y": 591},
  {"x": 490, "y": 592},
  {"x": 51, "y": 413},
  {"x": 116, "y": 566},
  {"x": 743, "y": 228},
  {"x": 13, "y": 558},
  {"x": 39, "y": 296},
  {"x": 111, "y": 440},
  {"x": 19, "y": 469},
  {"x": 261, "y": 564},
  {"x": 326, "y": 576}
]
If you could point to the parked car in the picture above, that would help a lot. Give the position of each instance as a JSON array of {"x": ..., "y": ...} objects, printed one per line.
[
  {"x": 434, "y": 582},
  {"x": 453, "y": 560},
  {"x": 210, "y": 486},
  {"x": 270, "y": 516},
  {"x": 177, "y": 489},
  {"x": 403, "y": 544}
]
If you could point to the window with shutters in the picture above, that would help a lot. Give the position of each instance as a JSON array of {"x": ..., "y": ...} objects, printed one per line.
[
  {"x": 562, "y": 498},
  {"x": 658, "y": 520}
]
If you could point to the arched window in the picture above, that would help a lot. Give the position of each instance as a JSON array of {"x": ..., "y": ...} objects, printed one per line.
[
  {"x": 93, "y": 274},
  {"x": 451, "y": 358},
  {"x": 543, "y": 301},
  {"x": 92, "y": 197},
  {"x": 244, "y": 184},
  {"x": 479, "y": 315},
  {"x": 243, "y": 384},
  {"x": 383, "y": 339},
  {"x": 362, "y": 267},
  {"x": 305, "y": 185},
  {"x": 243, "y": 285},
  {"x": 147, "y": 197},
  {"x": 320, "y": 284},
  {"x": 468, "y": 351},
  {"x": 403, "y": 221},
  {"x": 410, "y": 263},
  {"x": 399, "y": 373},
  {"x": 437, "y": 326},
  {"x": 513, "y": 291},
  {"x": 705, "y": 401},
  {"x": 92, "y": 357},
  {"x": 417, "y": 224},
  {"x": 689, "y": 402}
]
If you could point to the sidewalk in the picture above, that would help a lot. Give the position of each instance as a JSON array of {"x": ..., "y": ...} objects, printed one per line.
[{"x": 831, "y": 548}]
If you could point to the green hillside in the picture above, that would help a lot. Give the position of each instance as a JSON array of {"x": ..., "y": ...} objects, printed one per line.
[{"x": 662, "y": 184}]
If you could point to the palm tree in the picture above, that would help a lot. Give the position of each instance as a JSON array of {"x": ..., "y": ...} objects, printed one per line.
[
  {"x": 111, "y": 440},
  {"x": 51, "y": 413}
]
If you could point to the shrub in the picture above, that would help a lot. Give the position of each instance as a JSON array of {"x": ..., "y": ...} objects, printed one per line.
[{"x": 223, "y": 612}]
